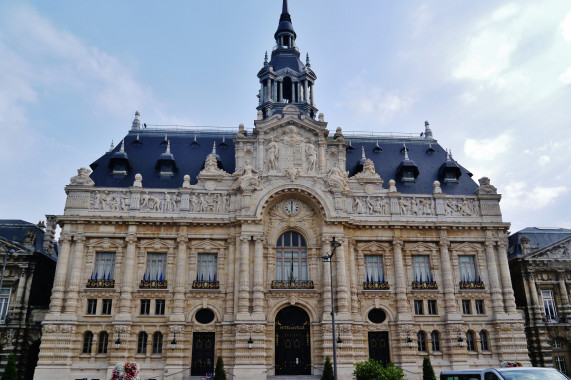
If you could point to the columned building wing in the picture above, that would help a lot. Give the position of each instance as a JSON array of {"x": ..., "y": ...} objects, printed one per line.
[{"x": 179, "y": 247}]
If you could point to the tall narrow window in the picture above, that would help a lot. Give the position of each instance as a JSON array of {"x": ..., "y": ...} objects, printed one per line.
[
  {"x": 467, "y": 268},
  {"x": 549, "y": 305},
  {"x": 421, "y": 266},
  {"x": 466, "y": 307},
  {"x": 106, "y": 307},
  {"x": 435, "y": 337},
  {"x": 484, "y": 341},
  {"x": 104, "y": 268},
  {"x": 291, "y": 258},
  {"x": 157, "y": 343},
  {"x": 4, "y": 302},
  {"x": 560, "y": 364},
  {"x": 418, "y": 309},
  {"x": 159, "y": 307},
  {"x": 92, "y": 306},
  {"x": 156, "y": 267},
  {"x": 87, "y": 342},
  {"x": 470, "y": 345},
  {"x": 421, "y": 340},
  {"x": 142, "y": 343},
  {"x": 432, "y": 310},
  {"x": 479, "y": 306},
  {"x": 374, "y": 268},
  {"x": 206, "y": 268},
  {"x": 103, "y": 342},
  {"x": 145, "y": 307}
]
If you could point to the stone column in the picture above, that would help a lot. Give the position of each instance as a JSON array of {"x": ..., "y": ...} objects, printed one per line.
[
  {"x": 342, "y": 284},
  {"x": 305, "y": 91},
  {"x": 354, "y": 282},
  {"x": 563, "y": 291},
  {"x": 298, "y": 91},
  {"x": 326, "y": 279},
  {"x": 58, "y": 290},
  {"x": 244, "y": 296},
  {"x": 312, "y": 97},
  {"x": 509, "y": 299},
  {"x": 229, "y": 311},
  {"x": 274, "y": 90},
  {"x": 72, "y": 296},
  {"x": 269, "y": 89},
  {"x": 497, "y": 302},
  {"x": 128, "y": 268},
  {"x": 450, "y": 304},
  {"x": 534, "y": 297},
  {"x": 292, "y": 92},
  {"x": 258, "y": 297},
  {"x": 281, "y": 84},
  {"x": 180, "y": 280},
  {"x": 400, "y": 280}
]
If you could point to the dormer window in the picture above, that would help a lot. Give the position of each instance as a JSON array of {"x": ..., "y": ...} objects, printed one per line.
[
  {"x": 166, "y": 164},
  {"x": 407, "y": 175},
  {"x": 166, "y": 169},
  {"x": 119, "y": 162},
  {"x": 450, "y": 176},
  {"x": 449, "y": 171}
]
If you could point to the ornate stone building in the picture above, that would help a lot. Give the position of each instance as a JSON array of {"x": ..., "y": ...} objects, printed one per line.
[
  {"x": 182, "y": 246},
  {"x": 540, "y": 265},
  {"x": 28, "y": 260}
]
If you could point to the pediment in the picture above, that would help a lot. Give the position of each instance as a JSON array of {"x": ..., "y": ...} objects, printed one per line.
[
  {"x": 373, "y": 247},
  {"x": 420, "y": 246},
  {"x": 156, "y": 244},
  {"x": 560, "y": 250},
  {"x": 291, "y": 116},
  {"x": 466, "y": 247},
  {"x": 207, "y": 245},
  {"x": 106, "y": 243}
]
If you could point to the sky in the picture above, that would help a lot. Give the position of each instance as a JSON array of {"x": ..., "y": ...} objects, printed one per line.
[{"x": 492, "y": 77}]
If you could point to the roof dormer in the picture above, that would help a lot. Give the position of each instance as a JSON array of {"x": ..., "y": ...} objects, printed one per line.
[
  {"x": 407, "y": 170},
  {"x": 119, "y": 162},
  {"x": 166, "y": 163},
  {"x": 449, "y": 172}
]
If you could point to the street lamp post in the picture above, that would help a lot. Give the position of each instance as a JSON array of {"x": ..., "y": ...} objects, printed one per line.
[{"x": 326, "y": 258}]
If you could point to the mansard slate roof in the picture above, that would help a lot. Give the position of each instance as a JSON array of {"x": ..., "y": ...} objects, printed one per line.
[
  {"x": 190, "y": 149},
  {"x": 539, "y": 238},
  {"x": 21, "y": 232}
]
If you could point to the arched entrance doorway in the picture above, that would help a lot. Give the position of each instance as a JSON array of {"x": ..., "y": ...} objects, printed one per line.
[{"x": 293, "y": 342}]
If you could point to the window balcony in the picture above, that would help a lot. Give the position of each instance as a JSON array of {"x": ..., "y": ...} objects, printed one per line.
[
  {"x": 554, "y": 319},
  {"x": 153, "y": 284},
  {"x": 292, "y": 284},
  {"x": 205, "y": 285},
  {"x": 376, "y": 285},
  {"x": 425, "y": 285},
  {"x": 472, "y": 285},
  {"x": 105, "y": 284}
]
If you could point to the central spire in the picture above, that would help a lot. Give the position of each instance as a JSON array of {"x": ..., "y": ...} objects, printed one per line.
[{"x": 285, "y": 35}]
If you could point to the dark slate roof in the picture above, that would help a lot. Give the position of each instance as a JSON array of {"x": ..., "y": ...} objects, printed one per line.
[
  {"x": 190, "y": 157},
  {"x": 15, "y": 230},
  {"x": 539, "y": 238},
  {"x": 281, "y": 61},
  {"x": 144, "y": 152}
]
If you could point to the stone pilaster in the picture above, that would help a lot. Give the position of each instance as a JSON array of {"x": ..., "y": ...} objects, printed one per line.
[
  {"x": 258, "y": 296},
  {"x": 564, "y": 309},
  {"x": 450, "y": 304},
  {"x": 508, "y": 292},
  {"x": 126, "y": 296},
  {"x": 326, "y": 279},
  {"x": 244, "y": 295},
  {"x": 229, "y": 285},
  {"x": 497, "y": 301},
  {"x": 534, "y": 308},
  {"x": 400, "y": 282},
  {"x": 180, "y": 280},
  {"x": 58, "y": 290},
  {"x": 342, "y": 285},
  {"x": 72, "y": 296}
]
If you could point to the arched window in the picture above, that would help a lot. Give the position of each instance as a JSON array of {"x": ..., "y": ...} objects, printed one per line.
[
  {"x": 421, "y": 340},
  {"x": 142, "y": 343},
  {"x": 470, "y": 341},
  {"x": 157, "y": 343},
  {"x": 291, "y": 257},
  {"x": 87, "y": 342},
  {"x": 103, "y": 341},
  {"x": 435, "y": 337},
  {"x": 484, "y": 341}
]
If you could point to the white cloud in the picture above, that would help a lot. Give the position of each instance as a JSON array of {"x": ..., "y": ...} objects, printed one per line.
[
  {"x": 566, "y": 27},
  {"x": 566, "y": 76},
  {"x": 520, "y": 193},
  {"x": 488, "y": 149},
  {"x": 544, "y": 160}
]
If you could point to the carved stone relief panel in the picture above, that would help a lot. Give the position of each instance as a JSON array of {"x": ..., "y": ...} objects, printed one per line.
[
  {"x": 367, "y": 205},
  {"x": 461, "y": 207}
]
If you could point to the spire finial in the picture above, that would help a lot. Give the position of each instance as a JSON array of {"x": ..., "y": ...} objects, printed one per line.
[
  {"x": 214, "y": 147},
  {"x": 168, "y": 147},
  {"x": 284, "y": 8},
  {"x": 427, "y": 130},
  {"x": 307, "y": 63},
  {"x": 123, "y": 146},
  {"x": 136, "y": 122},
  {"x": 363, "y": 153},
  {"x": 112, "y": 146},
  {"x": 266, "y": 59},
  {"x": 166, "y": 139},
  {"x": 405, "y": 152}
]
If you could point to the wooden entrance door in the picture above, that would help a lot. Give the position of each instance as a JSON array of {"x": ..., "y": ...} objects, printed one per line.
[{"x": 293, "y": 345}]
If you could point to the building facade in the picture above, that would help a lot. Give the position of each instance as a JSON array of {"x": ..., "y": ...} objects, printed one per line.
[
  {"x": 540, "y": 264},
  {"x": 28, "y": 259},
  {"x": 182, "y": 246}
]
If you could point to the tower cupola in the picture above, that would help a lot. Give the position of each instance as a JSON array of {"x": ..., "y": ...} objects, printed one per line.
[{"x": 285, "y": 79}]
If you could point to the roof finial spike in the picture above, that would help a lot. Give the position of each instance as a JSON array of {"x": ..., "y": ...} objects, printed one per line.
[
  {"x": 137, "y": 137},
  {"x": 194, "y": 138},
  {"x": 284, "y": 8},
  {"x": 405, "y": 152},
  {"x": 168, "y": 147},
  {"x": 266, "y": 59},
  {"x": 123, "y": 146},
  {"x": 112, "y": 146},
  {"x": 447, "y": 155},
  {"x": 307, "y": 63},
  {"x": 223, "y": 139},
  {"x": 214, "y": 147},
  {"x": 378, "y": 144},
  {"x": 166, "y": 139},
  {"x": 363, "y": 153},
  {"x": 136, "y": 122},
  {"x": 427, "y": 130}
]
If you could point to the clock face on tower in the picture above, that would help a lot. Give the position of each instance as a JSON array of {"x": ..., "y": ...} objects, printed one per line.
[{"x": 291, "y": 207}]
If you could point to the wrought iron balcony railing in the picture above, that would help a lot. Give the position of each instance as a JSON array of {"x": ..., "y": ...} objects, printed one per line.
[
  {"x": 430, "y": 285},
  {"x": 376, "y": 285},
  {"x": 292, "y": 284},
  {"x": 205, "y": 285},
  {"x": 153, "y": 284},
  {"x": 472, "y": 285},
  {"x": 105, "y": 284}
]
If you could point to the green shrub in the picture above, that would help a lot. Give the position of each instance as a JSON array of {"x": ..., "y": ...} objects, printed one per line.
[
  {"x": 219, "y": 371},
  {"x": 375, "y": 370},
  {"x": 427, "y": 370},
  {"x": 10, "y": 372},
  {"x": 327, "y": 370}
]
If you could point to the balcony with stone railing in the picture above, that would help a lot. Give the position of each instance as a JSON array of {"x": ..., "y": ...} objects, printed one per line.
[
  {"x": 292, "y": 284},
  {"x": 472, "y": 285},
  {"x": 424, "y": 285},
  {"x": 102, "y": 283},
  {"x": 205, "y": 284},
  {"x": 376, "y": 285}
]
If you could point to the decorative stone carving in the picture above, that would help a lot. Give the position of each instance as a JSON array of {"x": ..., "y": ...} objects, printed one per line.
[
  {"x": 337, "y": 179},
  {"x": 486, "y": 187},
  {"x": 186, "y": 182},
  {"x": 455, "y": 207},
  {"x": 82, "y": 178},
  {"x": 416, "y": 206},
  {"x": 248, "y": 178},
  {"x": 311, "y": 157},
  {"x": 368, "y": 170},
  {"x": 138, "y": 180},
  {"x": 211, "y": 166},
  {"x": 437, "y": 188},
  {"x": 369, "y": 206},
  {"x": 272, "y": 152}
]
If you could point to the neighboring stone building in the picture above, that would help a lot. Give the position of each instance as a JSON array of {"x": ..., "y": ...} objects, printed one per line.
[
  {"x": 540, "y": 265},
  {"x": 28, "y": 257},
  {"x": 182, "y": 246}
]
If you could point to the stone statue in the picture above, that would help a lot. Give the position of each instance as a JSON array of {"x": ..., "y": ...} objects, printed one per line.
[
  {"x": 486, "y": 187},
  {"x": 337, "y": 178},
  {"x": 186, "y": 182},
  {"x": 211, "y": 166},
  {"x": 82, "y": 178},
  {"x": 311, "y": 157},
  {"x": 368, "y": 170},
  {"x": 272, "y": 152},
  {"x": 138, "y": 180},
  {"x": 248, "y": 178}
]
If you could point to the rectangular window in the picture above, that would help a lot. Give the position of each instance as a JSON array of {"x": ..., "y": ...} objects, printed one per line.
[
  {"x": 291, "y": 263},
  {"x": 104, "y": 268},
  {"x": 421, "y": 267},
  {"x": 467, "y": 268},
  {"x": 479, "y": 307},
  {"x": 435, "y": 341},
  {"x": 374, "y": 268},
  {"x": 4, "y": 303},
  {"x": 556, "y": 343},
  {"x": 207, "y": 267},
  {"x": 466, "y": 307},
  {"x": 92, "y": 306},
  {"x": 145, "y": 307},
  {"x": 432, "y": 307},
  {"x": 159, "y": 307},
  {"x": 549, "y": 305},
  {"x": 560, "y": 364},
  {"x": 106, "y": 307},
  {"x": 103, "y": 343},
  {"x": 156, "y": 267},
  {"x": 418, "y": 310}
]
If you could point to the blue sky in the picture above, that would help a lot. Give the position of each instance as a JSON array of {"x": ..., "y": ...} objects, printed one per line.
[{"x": 492, "y": 77}]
